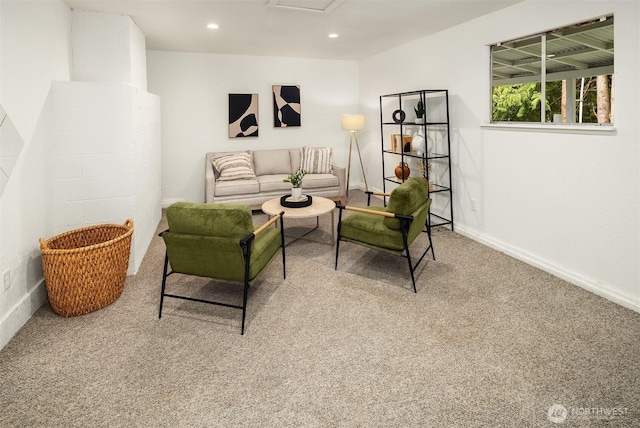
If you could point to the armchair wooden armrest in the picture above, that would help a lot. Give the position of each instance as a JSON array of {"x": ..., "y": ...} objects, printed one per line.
[
  {"x": 267, "y": 224},
  {"x": 370, "y": 193},
  {"x": 368, "y": 211},
  {"x": 259, "y": 230},
  {"x": 375, "y": 212}
]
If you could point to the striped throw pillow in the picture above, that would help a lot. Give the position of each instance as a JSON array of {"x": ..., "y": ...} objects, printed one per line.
[
  {"x": 235, "y": 166},
  {"x": 317, "y": 160}
]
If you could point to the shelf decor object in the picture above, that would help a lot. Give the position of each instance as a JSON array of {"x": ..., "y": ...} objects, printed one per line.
[
  {"x": 419, "y": 146},
  {"x": 353, "y": 123},
  {"x": 399, "y": 116},
  {"x": 419, "y": 109},
  {"x": 400, "y": 144},
  {"x": 402, "y": 171}
]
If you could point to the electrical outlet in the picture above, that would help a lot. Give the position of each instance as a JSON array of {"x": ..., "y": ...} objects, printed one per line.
[
  {"x": 473, "y": 204},
  {"x": 6, "y": 279}
]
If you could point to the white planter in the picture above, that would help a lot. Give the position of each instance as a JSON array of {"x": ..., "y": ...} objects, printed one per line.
[{"x": 296, "y": 192}]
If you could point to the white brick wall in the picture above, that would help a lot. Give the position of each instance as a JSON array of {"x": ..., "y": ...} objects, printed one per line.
[
  {"x": 106, "y": 159},
  {"x": 106, "y": 154}
]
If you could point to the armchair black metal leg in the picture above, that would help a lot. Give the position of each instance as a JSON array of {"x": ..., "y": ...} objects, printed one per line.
[
  {"x": 247, "y": 257},
  {"x": 244, "y": 305},
  {"x": 433, "y": 253},
  {"x": 282, "y": 245},
  {"x": 405, "y": 231},
  {"x": 164, "y": 283},
  {"x": 338, "y": 238},
  {"x": 284, "y": 266},
  {"x": 413, "y": 279}
]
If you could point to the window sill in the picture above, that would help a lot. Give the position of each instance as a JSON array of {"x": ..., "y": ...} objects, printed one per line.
[{"x": 551, "y": 127}]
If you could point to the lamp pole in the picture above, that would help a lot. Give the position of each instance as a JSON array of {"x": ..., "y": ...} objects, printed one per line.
[
  {"x": 352, "y": 137},
  {"x": 353, "y": 123}
]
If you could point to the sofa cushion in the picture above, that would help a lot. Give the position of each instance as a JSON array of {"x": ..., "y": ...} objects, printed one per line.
[
  {"x": 317, "y": 160},
  {"x": 269, "y": 162},
  {"x": 296, "y": 160},
  {"x": 269, "y": 183},
  {"x": 316, "y": 181},
  {"x": 234, "y": 166},
  {"x": 237, "y": 187}
]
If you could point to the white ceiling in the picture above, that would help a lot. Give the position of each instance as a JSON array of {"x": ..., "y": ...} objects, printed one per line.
[{"x": 267, "y": 27}]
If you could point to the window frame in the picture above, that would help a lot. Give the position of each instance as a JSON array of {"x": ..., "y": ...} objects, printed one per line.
[{"x": 576, "y": 33}]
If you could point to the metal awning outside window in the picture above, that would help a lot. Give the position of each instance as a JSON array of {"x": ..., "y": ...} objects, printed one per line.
[{"x": 573, "y": 52}]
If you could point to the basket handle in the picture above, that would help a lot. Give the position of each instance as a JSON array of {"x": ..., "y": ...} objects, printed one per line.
[
  {"x": 129, "y": 223},
  {"x": 43, "y": 244}
]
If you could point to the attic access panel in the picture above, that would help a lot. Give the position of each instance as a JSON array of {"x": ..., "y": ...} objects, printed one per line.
[{"x": 323, "y": 6}]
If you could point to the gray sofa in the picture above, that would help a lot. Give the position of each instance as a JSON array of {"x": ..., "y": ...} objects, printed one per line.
[{"x": 270, "y": 168}]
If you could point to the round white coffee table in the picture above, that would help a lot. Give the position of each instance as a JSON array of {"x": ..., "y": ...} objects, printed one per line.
[{"x": 318, "y": 207}]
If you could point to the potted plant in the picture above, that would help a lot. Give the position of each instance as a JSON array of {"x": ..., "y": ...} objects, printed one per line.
[
  {"x": 296, "y": 183},
  {"x": 419, "y": 109}
]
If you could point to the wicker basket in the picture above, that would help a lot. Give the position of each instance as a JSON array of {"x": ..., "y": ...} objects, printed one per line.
[{"x": 85, "y": 269}]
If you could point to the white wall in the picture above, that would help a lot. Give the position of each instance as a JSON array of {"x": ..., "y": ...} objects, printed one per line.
[
  {"x": 108, "y": 48},
  {"x": 566, "y": 202},
  {"x": 194, "y": 90},
  {"x": 91, "y": 151},
  {"x": 34, "y": 51},
  {"x": 106, "y": 160}
]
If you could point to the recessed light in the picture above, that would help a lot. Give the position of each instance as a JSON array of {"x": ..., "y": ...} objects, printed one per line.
[
  {"x": 213, "y": 26},
  {"x": 333, "y": 35}
]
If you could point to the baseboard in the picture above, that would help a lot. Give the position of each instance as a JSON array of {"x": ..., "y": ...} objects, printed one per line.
[
  {"x": 22, "y": 312},
  {"x": 166, "y": 202},
  {"x": 570, "y": 277}
]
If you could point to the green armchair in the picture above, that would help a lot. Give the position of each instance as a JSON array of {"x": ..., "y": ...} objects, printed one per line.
[
  {"x": 393, "y": 229},
  {"x": 219, "y": 241}
]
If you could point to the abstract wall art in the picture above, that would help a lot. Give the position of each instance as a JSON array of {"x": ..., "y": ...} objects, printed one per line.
[
  {"x": 286, "y": 106},
  {"x": 243, "y": 115}
]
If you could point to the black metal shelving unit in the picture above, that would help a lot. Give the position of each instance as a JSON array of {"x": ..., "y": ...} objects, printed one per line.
[{"x": 433, "y": 160}]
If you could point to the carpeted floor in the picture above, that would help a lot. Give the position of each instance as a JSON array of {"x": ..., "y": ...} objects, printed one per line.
[{"x": 486, "y": 341}]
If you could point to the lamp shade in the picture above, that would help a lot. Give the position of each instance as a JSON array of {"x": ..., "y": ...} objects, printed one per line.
[{"x": 352, "y": 122}]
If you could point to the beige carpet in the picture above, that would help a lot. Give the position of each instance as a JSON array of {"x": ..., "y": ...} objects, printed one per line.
[{"x": 486, "y": 341}]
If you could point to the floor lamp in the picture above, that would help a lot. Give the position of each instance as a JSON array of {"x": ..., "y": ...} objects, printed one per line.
[{"x": 353, "y": 123}]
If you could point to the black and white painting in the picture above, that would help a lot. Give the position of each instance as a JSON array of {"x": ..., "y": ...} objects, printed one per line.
[
  {"x": 243, "y": 115},
  {"x": 286, "y": 106}
]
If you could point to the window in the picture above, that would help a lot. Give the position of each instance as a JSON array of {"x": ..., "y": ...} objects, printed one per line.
[{"x": 561, "y": 76}]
